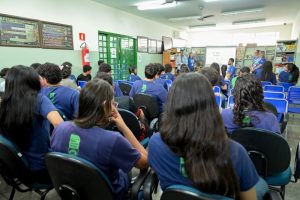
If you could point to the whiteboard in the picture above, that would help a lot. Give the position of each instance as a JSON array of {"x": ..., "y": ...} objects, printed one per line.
[{"x": 219, "y": 55}]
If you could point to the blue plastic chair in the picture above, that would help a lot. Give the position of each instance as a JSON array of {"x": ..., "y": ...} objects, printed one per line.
[
  {"x": 280, "y": 104},
  {"x": 277, "y": 95},
  {"x": 230, "y": 102},
  {"x": 274, "y": 88},
  {"x": 219, "y": 102},
  {"x": 294, "y": 99},
  {"x": 168, "y": 82},
  {"x": 264, "y": 83},
  {"x": 81, "y": 84},
  {"x": 217, "y": 89},
  {"x": 127, "y": 82},
  {"x": 285, "y": 85}
]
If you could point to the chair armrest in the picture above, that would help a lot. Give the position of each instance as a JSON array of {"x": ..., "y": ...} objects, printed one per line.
[
  {"x": 150, "y": 185},
  {"x": 154, "y": 125},
  {"x": 137, "y": 184}
]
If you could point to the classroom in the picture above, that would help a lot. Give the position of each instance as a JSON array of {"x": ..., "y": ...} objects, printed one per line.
[{"x": 149, "y": 99}]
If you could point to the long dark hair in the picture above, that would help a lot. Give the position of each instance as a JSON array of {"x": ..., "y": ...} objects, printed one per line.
[
  {"x": 95, "y": 104},
  {"x": 193, "y": 128},
  {"x": 18, "y": 105},
  {"x": 294, "y": 70},
  {"x": 267, "y": 71},
  {"x": 248, "y": 95}
]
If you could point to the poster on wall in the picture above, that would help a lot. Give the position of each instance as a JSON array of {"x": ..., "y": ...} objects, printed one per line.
[
  {"x": 158, "y": 46},
  {"x": 16, "y": 31},
  {"x": 142, "y": 44},
  {"x": 151, "y": 46}
]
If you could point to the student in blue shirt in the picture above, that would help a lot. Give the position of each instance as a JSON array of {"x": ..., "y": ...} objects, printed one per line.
[
  {"x": 192, "y": 147},
  {"x": 132, "y": 74},
  {"x": 221, "y": 83},
  {"x": 257, "y": 67},
  {"x": 266, "y": 74},
  {"x": 231, "y": 69},
  {"x": 148, "y": 86},
  {"x": 168, "y": 73},
  {"x": 191, "y": 62},
  {"x": 290, "y": 74},
  {"x": 24, "y": 119},
  {"x": 65, "y": 99},
  {"x": 160, "y": 71},
  {"x": 68, "y": 64}
]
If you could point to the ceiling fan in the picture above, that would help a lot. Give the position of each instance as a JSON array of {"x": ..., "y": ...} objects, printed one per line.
[{"x": 200, "y": 17}]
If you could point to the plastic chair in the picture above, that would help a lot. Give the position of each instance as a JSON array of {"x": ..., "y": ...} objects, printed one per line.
[
  {"x": 277, "y": 95},
  {"x": 75, "y": 178},
  {"x": 125, "y": 88},
  {"x": 270, "y": 154},
  {"x": 81, "y": 84},
  {"x": 217, "y": 89},
  {"x": 285, "y": 85},
  {"x": 230, "y": 102},
  {"x": 273, "y": 88},
  {"x": 264, "y": 83},
  {"x": 168, "y": 82},
  {"x": 294, "y": 99},
  {"x": 122, "y": 81},
  {"x": 14, "y": 170}
]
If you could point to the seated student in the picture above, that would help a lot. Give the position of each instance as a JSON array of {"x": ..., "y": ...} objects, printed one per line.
[
  {"x": 199, "y": 155},
  {"x": 99, "y": 63},
  {"x": 223, "y": 70},
  {"x": 221, "y": 83},
  {"x": 183, "y": 69},
  {"x": 290, "y": 74},
  {"x": 198, "y": 66},
  {"x": 168, "y": 74},
  {"x": 266, "y": 74},
  {"x": 86, "y": 75},
  {"x": 160, "y": 71},
  {"x": 65, "y": 99},
  {"x": 66, "y": 81},
  {"x": 148, "y": 86},
  {"x": 243, "y": 72},
  {"x": 211, "y": 74},
  {"x": 231, "y": 70},
  {"x": 35, "y": 65},
  {"x": 68, "y": 64},
  {"x": 248, "y": 109},
  {"x": 111, "y": 152},
  {"x": 106, "y": 68},
  {"x": 132, "y": 74},
  {"x": 24, "y": 118}
]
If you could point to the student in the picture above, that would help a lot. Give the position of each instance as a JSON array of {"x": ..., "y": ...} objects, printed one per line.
[
  {"x": 221, "y": 82},
  {"x": 168, "y": 73},
  {"x": 290, "y": 74},
  {"x": 256, "y": 58},
  {"x": 181, "y": 59},
  {"x": 100, "y": 62},
  {"x": 191, "y": 62},
  {"x": 223, "y": 70},
  {"x": 68, "y": 64},
  {"x": 86, "y": 75},
  {"x": 111, "y": 152},
  {"x": 198, "y": 67},
  {"x": 148, "y": 86},
  {"x": 24, "y": 118},
  {"x": 65, "y": 99},
  {"x": 35, "y": 65},
  {"x": 199, "y": 155},
  {"x": 243, "y": 72},
  {"x": 66, "y": 81},
  {"x": 211, "y": 75},
  {"x": 183, "y": 69},
  {"x": 257, "y": 68},
  {"x": 160, "y": 71},
  {"x": 231, "y": 69},
  {"x": 248, "y": 107},
  {"x": 106, "y": 68},
  {"x": 132, "y": 74},
  {"x": 267, "y": 73}
]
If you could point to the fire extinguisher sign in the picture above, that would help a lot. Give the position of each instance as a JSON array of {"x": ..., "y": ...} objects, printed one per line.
[{"x": 82, "y": 36}]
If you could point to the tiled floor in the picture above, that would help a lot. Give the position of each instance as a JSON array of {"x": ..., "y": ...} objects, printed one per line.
[{"x": 292, "y": 189}]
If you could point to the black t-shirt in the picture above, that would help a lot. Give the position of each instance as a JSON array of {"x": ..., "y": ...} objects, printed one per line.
[{"x": 82, "y": 77}]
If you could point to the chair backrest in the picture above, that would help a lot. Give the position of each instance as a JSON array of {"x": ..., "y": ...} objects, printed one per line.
[
  {"x": 269, "y": 151},
  {"x": 81, "y": 84},
  {"x": 181, "y": 192},
  {"x": 75, "y": 178},
  {"x": 13, "y": 164},
  {"x": 125, "y": 88},
  {"x": 294, "y": 95},
  {"x": 148, "y": 103},
  {"x": 122, "y": 81},
  {"x": 280, "y": 104},
  {"x": 285, "y": 85},
  {"x": 278, "y": 95},
  {"x": 274, "y": 88},
  {"x": 264, "y": 83},
  {"x": 217, "y": 89},
  {"x": 132, "y": 123},
  {"x": 230, "y": 102},
  {"x": 168, "y": 83},
  {"x": 219, "y": 101}
]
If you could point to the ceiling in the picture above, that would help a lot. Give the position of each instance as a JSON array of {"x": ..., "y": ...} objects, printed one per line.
[{"x": 275, "y": 11}]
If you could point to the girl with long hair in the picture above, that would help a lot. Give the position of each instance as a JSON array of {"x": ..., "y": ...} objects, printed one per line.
[
  {"x": 290, "y": 74},
  {"x": 248, "y": 107},
  {"x": 192, "y": 147},
  {"x": 24, "y": 115},
  {"x": 267, "y": 73},
  {"x": 132, "y": 74}
]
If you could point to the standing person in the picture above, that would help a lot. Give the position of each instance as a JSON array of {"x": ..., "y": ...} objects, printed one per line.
[
  {"x": 68, "y": 64},
  {"x": 255, "y": 59},
  {"x": 132, "y": 74},
  {"x": 86, "y": 75},
  {"x": 260, "y": 61},
  {"x": 266, "y": 74},
  {"x": 199, "y": 155},
  {"x": 231, "y": 69},
  {"x": 181, "y": 59},
  {"x": 113, "y": 153},
  {"x": 223, "y": 70},
  {"x": 168, "y": 73},
  {"x": 191, "y": 62},
  {"x": 24, "y": 118}
]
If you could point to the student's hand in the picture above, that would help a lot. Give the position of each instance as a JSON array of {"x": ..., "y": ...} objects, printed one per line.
[{"x": 117, "y": 119}]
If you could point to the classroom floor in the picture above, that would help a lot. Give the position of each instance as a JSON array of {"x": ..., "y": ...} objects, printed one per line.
[{"x": 292, "y": 189}]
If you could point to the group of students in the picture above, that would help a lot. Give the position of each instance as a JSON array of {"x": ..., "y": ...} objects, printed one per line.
[{"x": 192, "y": 147}]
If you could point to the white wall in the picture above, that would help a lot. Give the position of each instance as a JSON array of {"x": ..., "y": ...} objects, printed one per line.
[
  {"x": 232, "y": 37},
  {"x": 296, "y": 27},
  {"x": 86, "y": 16}
]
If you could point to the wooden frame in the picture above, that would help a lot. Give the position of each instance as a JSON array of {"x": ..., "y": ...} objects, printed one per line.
[{"x": 141, "y": 42}]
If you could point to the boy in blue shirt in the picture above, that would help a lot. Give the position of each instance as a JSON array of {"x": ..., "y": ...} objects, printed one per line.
[
  {"x": 160, "y": 69},
  {"x": 168, "y": 74},
  {"x": 132, "y": 74},
  {"x": 148, "y": 86},
  {"x": 231, "y": 69}
]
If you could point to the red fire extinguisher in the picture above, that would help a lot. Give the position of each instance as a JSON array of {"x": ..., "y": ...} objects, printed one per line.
[{"x": 85, "y": 54}]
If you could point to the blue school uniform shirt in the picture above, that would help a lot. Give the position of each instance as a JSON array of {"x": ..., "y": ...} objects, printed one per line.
[
  {"x": 108, "y": 150},
  {"x": 260, "y": 62},
  {"x": 191, "y": 63},
  {"x": 65, "y": 99},
  {"x": 259, "y": 119},
  {"x": 161, "y": 82},
  {"x": 272, "y": 79},
  {"x": 118, "y": 91},
  {"x": 149, "y": 87},
  {"x": 231, "y": 70},
  {"x": 73, "y": 77},
  {"x": 40, "y": 136},
  {"x": 168, "y": 168},
  {"x": 285, "y": 77},
  {"x": 133, "y": 77},
  {"x": 168, "y": 76}
]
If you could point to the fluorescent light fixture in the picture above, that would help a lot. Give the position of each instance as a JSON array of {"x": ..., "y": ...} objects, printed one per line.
[
  {"x": 202, "y": 26},
  {"x": 208, "y": 1},
  {"x": 183, "y": 18},
  {"x": 235, "y": 12},
  {"x": 248, "y": 21},
  {"x": 159, "y": 4}
]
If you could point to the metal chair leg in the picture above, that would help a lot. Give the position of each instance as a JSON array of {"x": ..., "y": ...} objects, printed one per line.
[{"x": 12, "y": 194}]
